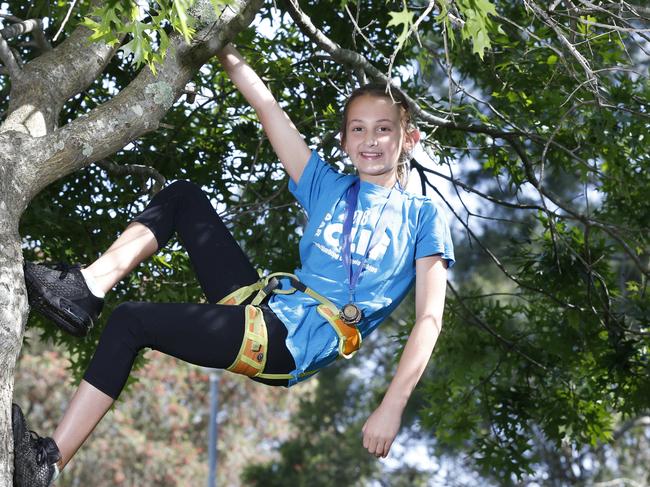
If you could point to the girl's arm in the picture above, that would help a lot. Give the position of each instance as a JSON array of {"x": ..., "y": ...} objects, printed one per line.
[
  {"x": 430, "y": 286},
  {"x": 287, "y": 142}
]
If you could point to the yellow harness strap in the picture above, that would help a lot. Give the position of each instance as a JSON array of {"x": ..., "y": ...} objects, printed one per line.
[
  {"x": 251, "y": 358},
  {"x": 349, "y": 336}
]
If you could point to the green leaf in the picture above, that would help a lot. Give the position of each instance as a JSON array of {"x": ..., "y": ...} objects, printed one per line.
[
  {"x": 139, "y": 46},
  {"x": 403, "y": 18},
  {"x": 477, "y": 23},
  {"x": 180, "y": 8}
]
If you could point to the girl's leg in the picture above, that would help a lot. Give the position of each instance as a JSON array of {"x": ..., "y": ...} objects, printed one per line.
[
  {"x": 203, "y": 334},
  {"x": 183, "y": 208},
  {"x": 134, "y": 245},
  {"x": 73, "y": 298}
]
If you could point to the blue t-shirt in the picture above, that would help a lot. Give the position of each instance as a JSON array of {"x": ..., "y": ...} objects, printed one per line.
[{"x": 413, "y": 228}]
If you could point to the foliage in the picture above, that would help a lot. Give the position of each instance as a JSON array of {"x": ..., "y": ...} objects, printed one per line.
[{"x": 146, "y": 25}]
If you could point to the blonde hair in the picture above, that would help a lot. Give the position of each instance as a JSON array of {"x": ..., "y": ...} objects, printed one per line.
[{"x": 379, "y": 90}]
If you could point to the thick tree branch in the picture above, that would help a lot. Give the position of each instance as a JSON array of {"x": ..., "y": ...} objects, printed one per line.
[
  {"x": 36, "y": 30},
  {"x": 51, "y": 79},
  {"x": 138, "y": 108}
]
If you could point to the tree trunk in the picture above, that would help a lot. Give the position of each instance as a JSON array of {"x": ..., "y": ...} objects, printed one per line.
[{"x": 13, "y": 316}]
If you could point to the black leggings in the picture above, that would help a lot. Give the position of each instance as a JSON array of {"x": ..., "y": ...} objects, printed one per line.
[{"x": 207, "y": 334}]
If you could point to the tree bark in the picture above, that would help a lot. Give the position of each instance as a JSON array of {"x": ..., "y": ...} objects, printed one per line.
[
  {"x": 13, "y": 310},
  {"x": 34, "y": 152}
]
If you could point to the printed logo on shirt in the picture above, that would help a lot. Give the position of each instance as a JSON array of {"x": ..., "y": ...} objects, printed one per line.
[{"x": 327, "y": 238}]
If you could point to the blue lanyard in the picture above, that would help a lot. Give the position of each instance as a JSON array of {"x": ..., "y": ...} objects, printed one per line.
[{"x": 351, "y": 199}]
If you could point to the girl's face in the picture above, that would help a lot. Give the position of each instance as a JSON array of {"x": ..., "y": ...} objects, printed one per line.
[{"x": 374, "y": 138}]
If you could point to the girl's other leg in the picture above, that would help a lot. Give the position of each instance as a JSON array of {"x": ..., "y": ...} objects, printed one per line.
[{"x": 85, "y": 410}]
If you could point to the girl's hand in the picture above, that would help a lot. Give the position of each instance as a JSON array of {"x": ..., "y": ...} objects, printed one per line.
[{"x": 380, "y": 430}]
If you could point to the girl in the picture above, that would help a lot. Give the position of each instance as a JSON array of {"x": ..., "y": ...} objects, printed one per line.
[{"x": 366, "y": 241}]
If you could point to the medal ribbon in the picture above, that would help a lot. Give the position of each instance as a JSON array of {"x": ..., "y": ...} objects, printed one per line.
[{"x": 351, "y": 199}]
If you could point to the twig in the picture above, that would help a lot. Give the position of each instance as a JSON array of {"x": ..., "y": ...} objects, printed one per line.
[
  {"x": 419, "y": 167},
  {"x": 358, "y": 29},
  {"x": 510, "y": 345},
  {"x": 412, "y": 29},
  {"x": 591, "y": 77},
  {"x": 496, "y": 260},
  {"x": 65, "y": 20},
  {"x": 448, "y": 69}
]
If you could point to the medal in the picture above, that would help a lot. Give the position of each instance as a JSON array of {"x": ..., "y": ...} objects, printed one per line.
[{"x": 351, "y": 314}]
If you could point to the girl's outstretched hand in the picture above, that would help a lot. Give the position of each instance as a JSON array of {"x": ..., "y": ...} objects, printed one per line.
[{"x": 380, "y": 430}]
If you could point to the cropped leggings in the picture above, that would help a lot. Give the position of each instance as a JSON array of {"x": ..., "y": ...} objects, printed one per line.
[{"x": 206, "y": 334}]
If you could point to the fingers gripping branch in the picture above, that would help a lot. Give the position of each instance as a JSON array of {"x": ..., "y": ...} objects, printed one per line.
[{"x": 9, "y": 59}]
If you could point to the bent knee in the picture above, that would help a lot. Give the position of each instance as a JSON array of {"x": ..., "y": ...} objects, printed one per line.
[
  {"x": 184, "y": 187},
  {"x": 125, "y": 325}
]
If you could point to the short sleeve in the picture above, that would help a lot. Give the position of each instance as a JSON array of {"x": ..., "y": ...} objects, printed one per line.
[
  {"x": 317, "y": 178},
  {"x": 433, "y": 235}
]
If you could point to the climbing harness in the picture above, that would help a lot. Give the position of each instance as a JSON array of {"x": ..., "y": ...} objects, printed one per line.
[{"x": 251, "y": 358}]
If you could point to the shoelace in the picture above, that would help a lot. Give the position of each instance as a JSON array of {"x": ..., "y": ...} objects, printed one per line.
[
  {"x": 46, "y": 450},
  {"x": 64, "y": 268}
]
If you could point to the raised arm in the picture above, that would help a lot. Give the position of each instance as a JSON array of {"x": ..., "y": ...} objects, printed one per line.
[
  {"x": 287, "y": 141},
  {"x": 430, "y": 286}
]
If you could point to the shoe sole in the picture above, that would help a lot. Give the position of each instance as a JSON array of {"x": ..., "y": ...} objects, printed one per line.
[{"x": 65, "y": 314}]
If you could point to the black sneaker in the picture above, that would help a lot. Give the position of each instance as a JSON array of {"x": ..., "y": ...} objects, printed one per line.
[
  {"x": 34, "y": 457},
  {"x": 62, "y": 295}
]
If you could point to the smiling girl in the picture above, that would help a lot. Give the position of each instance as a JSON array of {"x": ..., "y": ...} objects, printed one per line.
[{"x": 366, "y": 242}]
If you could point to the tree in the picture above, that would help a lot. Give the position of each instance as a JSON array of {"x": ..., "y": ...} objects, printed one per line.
[
  {"x": 37, "y": 149},
  {"x": 549, "y": 127}
]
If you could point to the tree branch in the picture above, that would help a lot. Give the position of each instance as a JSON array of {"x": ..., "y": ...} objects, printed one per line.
[
  {"x": 53, "y": 78},
  {"x": 139, "y": 170},
  {"x": 33, "y": 26},
  {"x": 65, "y": 20},
  {"x": 355, "y": 61},
  {"x": 508, "y": 344},
  {"x": 457, "y": 182},
  {"x": 591, "y": 77},
  {"x": 21, "y": 28},
  {"x": 138, "y": 108}
]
